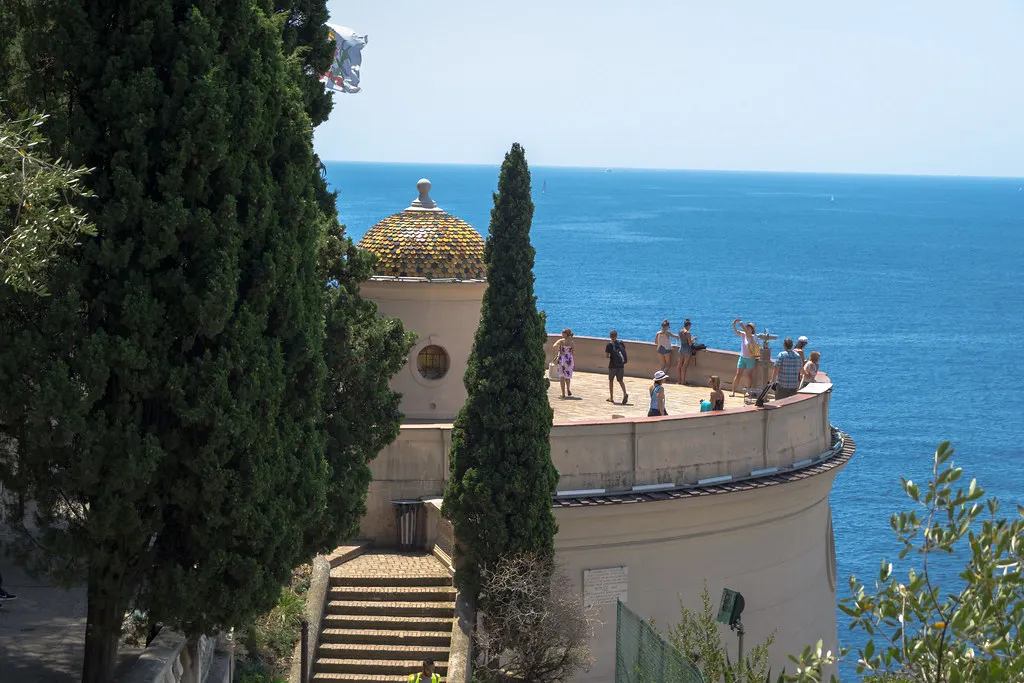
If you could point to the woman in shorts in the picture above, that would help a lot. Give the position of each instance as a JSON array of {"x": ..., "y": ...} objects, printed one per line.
[
  {"x": 745, "y": 365},
  {"x": 663, "y": 340}
]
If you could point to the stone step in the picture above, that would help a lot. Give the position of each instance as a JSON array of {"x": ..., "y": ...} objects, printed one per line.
[
  {"x": 390, "y": 580},
  {"x": 413, "y": 653},
  {"x": 324, "y": 677},
  {"x": 393, "y": 593},
  {"x": 372, "y": 633},
  {"x": 394, "y": 608},
  {"x": 386, "y": 667},
  {"x": 386, "y": 622}
]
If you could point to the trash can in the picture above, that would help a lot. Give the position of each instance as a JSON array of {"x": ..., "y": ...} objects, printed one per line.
[{"x": 407, "y": 523}]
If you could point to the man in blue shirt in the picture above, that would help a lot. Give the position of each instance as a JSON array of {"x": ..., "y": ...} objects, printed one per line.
[{"x": 787, "y": 371}]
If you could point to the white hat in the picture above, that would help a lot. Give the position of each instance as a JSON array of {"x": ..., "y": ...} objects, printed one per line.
[
  {"x": 660, "y": 375},
  {"x": 802, "y": 340}
]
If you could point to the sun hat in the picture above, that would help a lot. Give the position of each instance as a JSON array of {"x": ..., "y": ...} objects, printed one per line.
[
  {"x": 802, "y": 340},
  {"x": 660, "y": 375}
]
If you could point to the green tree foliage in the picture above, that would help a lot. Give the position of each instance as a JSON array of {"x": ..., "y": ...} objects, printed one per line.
[
  {"x": 38, "y": 216},
  {"x": 167, "y": 409},
  {"x": 502, "y": 478},
  {"x": 363, "y": 351},
  {"x": 919, "y": 632},
  {"x": 699, "y": 637}
]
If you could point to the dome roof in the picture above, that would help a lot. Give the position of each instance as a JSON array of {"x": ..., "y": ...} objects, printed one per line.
[{"x": 424, "y": 241}]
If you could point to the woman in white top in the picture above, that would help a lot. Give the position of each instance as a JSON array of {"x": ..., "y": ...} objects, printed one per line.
[
  {"x": 809, "y": 371},
  {"x": 663, "y": 340},
  {"x": 747, "y": 362}
]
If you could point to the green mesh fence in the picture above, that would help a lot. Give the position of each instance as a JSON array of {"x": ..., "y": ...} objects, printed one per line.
[{"x": 642, "y": 655}]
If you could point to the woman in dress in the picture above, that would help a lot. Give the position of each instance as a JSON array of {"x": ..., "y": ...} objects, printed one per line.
[
  {"x": 658, "y": 395},
  {"x": 663, "y": 340},
  {"x": 566, "y": 363},
  {"x": 745, "y": 365},
  {"x": 686, "y": 340}
]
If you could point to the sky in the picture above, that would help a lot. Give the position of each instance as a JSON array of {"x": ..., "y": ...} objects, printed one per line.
[{"x": 893, "y": 86}]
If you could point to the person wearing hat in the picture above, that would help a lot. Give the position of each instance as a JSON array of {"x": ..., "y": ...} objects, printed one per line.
[
  {"x": 801, "y": 342},
  {"x": 658, "y": 395}
]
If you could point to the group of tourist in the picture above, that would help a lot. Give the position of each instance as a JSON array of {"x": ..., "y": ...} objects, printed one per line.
[{"x": 792, "y": 370}]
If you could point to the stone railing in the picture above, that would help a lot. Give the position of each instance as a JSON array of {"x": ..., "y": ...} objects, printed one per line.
[
  {"x": 619, "y": 454},
  {"x": 171, "y": 658},
  {"x": 438, "y": 534}
]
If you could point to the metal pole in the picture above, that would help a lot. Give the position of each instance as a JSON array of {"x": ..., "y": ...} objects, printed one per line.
[
  {"x": 304, "y": 656},
  {"x": 739, "y": 632}
]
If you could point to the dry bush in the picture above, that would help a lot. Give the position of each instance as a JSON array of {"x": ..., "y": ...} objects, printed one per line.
[{"x": 533, "y": 626}]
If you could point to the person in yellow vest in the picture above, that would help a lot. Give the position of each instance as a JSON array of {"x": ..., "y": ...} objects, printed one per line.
[{"x": 427, "y": 675}]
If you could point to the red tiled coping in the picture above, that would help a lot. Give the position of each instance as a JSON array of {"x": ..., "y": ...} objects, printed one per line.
[{"x": 831, "y": 461}]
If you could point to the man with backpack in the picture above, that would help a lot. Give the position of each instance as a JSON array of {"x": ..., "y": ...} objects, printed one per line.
[
  {"x": 427, "y": 675},
  {"x": 617, "y": 359}
]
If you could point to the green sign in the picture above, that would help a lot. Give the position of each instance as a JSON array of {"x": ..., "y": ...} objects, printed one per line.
[{"x": 730, "y": 608}]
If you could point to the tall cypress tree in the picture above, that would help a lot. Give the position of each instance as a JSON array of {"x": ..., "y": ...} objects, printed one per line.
[
  {"x": 502, "y": 478},
  {"x": 165, "y": 408},
  {"x": 363, "y": 350}
]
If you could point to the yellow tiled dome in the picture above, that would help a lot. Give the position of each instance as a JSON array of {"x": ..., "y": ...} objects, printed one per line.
[{"x": 424, "y": 241}]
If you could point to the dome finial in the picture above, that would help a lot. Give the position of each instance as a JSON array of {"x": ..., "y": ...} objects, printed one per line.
[{"x": 423, "y": 202}]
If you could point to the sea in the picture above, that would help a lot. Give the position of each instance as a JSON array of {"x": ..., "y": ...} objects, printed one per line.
[{"x": 912, "y": 289}]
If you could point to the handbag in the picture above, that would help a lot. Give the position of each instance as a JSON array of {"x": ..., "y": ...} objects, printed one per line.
[
  {"x": 754, "y": 349},
  {"x": 554, "y": 371}
]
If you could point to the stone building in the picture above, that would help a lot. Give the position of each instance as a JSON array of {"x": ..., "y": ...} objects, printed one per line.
[{"x": 648, "y": 508}]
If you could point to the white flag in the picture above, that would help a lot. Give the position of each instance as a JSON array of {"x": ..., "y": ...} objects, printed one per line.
[{"x": 343, "y": 76}]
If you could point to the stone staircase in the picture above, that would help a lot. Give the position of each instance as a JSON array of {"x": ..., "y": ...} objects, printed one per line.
[{"x": 385, "y": 613}]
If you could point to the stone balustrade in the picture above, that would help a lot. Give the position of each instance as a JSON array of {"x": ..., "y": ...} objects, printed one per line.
[{"x": 171, "y": 658}]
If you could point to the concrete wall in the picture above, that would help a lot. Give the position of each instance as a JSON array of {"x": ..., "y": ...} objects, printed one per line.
[
  {"x": 445, "y": 313},
  {"x": 771, "y": 544},
  {"x": 618, "y": 454}
]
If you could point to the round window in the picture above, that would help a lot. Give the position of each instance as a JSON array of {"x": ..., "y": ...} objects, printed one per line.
[{"x": 432, "y": 362}]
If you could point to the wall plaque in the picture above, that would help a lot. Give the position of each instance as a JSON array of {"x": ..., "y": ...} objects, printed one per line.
[{"x": 605, "y": 586}]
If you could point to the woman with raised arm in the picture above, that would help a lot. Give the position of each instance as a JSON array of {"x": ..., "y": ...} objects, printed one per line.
[{"x": 745, "y": 365}]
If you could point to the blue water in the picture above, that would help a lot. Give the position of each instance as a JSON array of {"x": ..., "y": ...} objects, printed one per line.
[{"x": 912, "y": 289}]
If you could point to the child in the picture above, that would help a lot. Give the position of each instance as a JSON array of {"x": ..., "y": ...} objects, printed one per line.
[
  {"x": 810, "y": 369},
  {"x": 717, "y": 395}
]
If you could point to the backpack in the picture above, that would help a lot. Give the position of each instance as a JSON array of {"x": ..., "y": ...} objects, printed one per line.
[{"x": 620, "y": 350}]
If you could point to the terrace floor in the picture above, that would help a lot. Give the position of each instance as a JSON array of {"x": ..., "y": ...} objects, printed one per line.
[{"x": 590, "y": 396}]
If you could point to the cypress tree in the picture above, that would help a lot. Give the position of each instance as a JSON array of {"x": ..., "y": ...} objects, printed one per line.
[
  {"x": 363, "y": 350},
  {"x": 165, "y": 409},
  {"x": 502, "y": 479}
]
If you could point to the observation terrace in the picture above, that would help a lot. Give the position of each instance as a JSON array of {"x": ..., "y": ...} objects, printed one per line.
[{"x": 603, "y": 448}]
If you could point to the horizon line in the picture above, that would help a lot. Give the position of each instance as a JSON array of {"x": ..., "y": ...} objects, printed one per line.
[{"x": 686, "y": 170}]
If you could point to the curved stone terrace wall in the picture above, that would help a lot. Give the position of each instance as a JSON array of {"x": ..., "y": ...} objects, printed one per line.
[{"x": 626, "y": 455}]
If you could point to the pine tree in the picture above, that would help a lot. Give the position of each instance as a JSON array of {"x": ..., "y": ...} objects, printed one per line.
[
  {"x": 502, "y": 478},
  {"x": 165, "y": 409}
]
